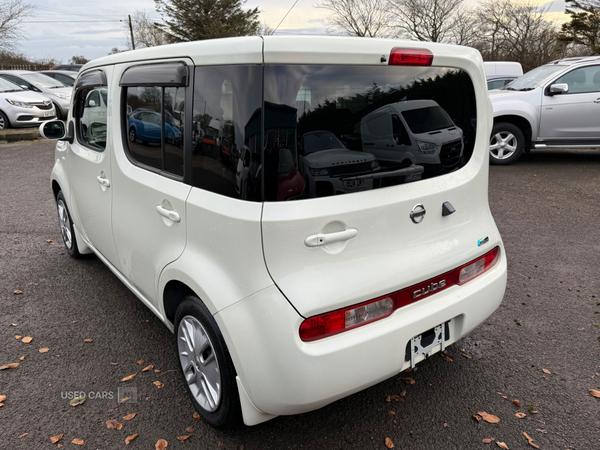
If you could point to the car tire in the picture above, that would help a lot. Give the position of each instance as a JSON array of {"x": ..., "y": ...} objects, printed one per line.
[
  {"x": 506, "y": 144},
  {"x": 206, "y": 366},
  {"x": 4, "y": 123},
  {"x": 132, "y": 135},
  {"x": 66, "y": 226}
]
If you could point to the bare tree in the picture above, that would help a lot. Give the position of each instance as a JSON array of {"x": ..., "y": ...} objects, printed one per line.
[
  {"x": 367, "y": 18},
  {"x": 12, "y": 13},
  {"x": 145, "y": 32},
  {"x": 426, "y": 20}
]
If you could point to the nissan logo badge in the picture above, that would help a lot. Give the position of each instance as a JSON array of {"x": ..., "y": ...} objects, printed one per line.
[{"x": 418, "y": 213}]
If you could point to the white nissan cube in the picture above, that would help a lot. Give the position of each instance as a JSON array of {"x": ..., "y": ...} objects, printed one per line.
[{"x": 283, "y": 299}]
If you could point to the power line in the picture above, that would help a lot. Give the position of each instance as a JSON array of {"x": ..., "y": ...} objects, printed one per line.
[
  {"x": 71, "y": 21},
  {"x": 286, "y": 14}
]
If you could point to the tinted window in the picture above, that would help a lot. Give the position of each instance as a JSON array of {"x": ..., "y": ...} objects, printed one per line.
[
  {"x": 155, "y": 137},
  {"x": 226, "y": 131},
  {"x": 355, "y": 128},
  {"x": 90, "y": 117},
  {"x": 582, "y": 80}
]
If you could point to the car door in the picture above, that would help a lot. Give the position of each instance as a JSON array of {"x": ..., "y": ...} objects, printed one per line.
[
  {"x": 149, "y": 214},
  {"x": 89, "y": 165},
  {"x": 573, "y": 116}
]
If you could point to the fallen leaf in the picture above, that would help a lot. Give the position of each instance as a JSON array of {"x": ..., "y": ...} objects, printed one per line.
[
  {"x": 48, "y": 240},
  {"x": 27, "y": 339},
  {"x": 75, "y": 321},
  {"x": 408, "y": 370},
  {"x": 129, "y": 416},
  {"x": 128, "y": 439},
  {"x": 144, "y": 321},
  {"x": 487, "y": 440},
  {"x": 546, "y": 371},
  {"x": 17, "y": 337},
  {"x": 140, "y": 362},
  {"x": 533, "y": 412},
  {"x": 129, "y": 378},
  {"x": 190, "y": 429},
  {"x": 1, "y": 405},
  {"x": 391, "y": 414},
  {"x": 159, "y": 384},
  {"x": 88, "y": 340},
  {"x": 77, "y": 400},
  {"x": 521, "y": 415},
  {"x": 147, "y": 368},
  {"x": 529, "y": 440},
  {"x": 119, "y": 426},
  {"x": 110, "y": 411},
  {"x": 541, "y": 431},
  {"x": 17, "y": 292},
  {"x": 43, "y": 350},
  {"x": 124, "y": 400},
  {"x": 502, "y": 445},
  {"x": 447, "y": 356},
  {"x": 59, "y": 445},
  {"x": 183, "y": 438},
  {"x": 77, "y": 441},
  {"x": 467, "y": 356},
  {"x": 595, "y": 393},
  {"x": 504, "y": 396},
  {"x": 517, "y": 403},
  {"x": 23, "y": 435},
  {"x": 161, "y": 444},
  {"x": 445, "y": 425},
  {"x": 477, "y": 417},
  {"x": 389, "y": 443},
  {"x": 196, "y": 416},
  {"x": 489, "y": 418},
  {"x": 113, "y": 364},
  {"x": 463, "y": 350},
  {"x": 22, "y": 358},
  {"x": 55, "y": 439},
  {"x": 13, "y": 324},
  {"x": 409, "y": 380},
  {"x": 2, "y": 398},
  {"x": 111, "y": 424},
  {"x": 396, "y": 397},
  {"x": 9, "y": 366},
  {"x": 156, "y": 370}
]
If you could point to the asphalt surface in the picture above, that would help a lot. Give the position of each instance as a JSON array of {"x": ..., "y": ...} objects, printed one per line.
[{"x": 547, "y": 208}]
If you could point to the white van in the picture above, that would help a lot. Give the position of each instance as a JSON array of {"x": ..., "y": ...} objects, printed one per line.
[
  {"x": 282, "y": 302},
  {"x": 413, "y": 132}
]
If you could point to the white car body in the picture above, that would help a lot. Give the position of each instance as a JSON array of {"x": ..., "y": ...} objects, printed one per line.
[{"x": 259, "y": 267}]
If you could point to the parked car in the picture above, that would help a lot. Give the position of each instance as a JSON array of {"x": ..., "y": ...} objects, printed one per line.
[
  {"x": 66, "y": 77},
  {"x": 22, "y": 108},
  {"x": 49, "y": 87},
  {"x": 69, "y": 67},
  {"x": 413, "y": 132},
  {"x": 146, "y": 125},
  {"x": 500, "y": 73},
  {"x": 282, "y": 305},
  {"x": 553, "y": 106}
]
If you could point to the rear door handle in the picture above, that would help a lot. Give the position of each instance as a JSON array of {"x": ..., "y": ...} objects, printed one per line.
[
  {"x": 103, "y": 181},
  {"x": 169, "y": 214},
  {"x": 597, "y": 100},
  {"x": 320, "y": 239}
]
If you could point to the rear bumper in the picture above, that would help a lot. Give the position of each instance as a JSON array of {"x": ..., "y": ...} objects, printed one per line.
[{"x": 283, "y": 375}]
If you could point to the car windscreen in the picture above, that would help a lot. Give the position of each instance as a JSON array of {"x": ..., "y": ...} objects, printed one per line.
[
  {"x": 7, "y": 86},
  {"x": 424, "y": 120},
  {"x": 534, "y": 78},
  {"x": 318, "y": 141},
  {"x": 43, "y": 81}
]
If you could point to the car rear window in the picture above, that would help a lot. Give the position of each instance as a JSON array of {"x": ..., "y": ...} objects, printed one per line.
[{"x": 355, "y": 128}]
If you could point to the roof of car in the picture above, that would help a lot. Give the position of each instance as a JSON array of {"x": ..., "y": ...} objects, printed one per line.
[
  {"x": 575, "y": 60},
  {"x": 69, "y": 73}
]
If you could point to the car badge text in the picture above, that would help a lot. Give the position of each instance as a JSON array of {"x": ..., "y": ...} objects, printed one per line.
[{"x": 429, "y": 289}]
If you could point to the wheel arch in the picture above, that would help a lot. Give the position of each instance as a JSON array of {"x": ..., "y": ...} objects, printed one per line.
[
  {"x": 8, "y": 124},
  {"x": 55, "y": 188},
  {"x": 173, "y": 294},
  {"x": 522, "y": 123}
]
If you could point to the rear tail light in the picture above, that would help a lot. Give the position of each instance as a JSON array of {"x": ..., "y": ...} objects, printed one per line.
[
  {"x": 334, "y": 322},
  {"x": 410, "y": 57}
]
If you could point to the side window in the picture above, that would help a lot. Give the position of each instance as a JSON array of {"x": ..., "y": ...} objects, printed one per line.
[
  {"x": 90, "y": 117},
  {"x": 582, "y": 80},
  {"x": 154, "y": 135},
  {"x": 226, "y": 131}
]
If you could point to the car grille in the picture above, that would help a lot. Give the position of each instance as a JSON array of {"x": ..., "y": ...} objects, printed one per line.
[
  {"x": 350, "y": 169},
  {"x": 42, "y": 106},
  {"x": 450, "y": 153}
]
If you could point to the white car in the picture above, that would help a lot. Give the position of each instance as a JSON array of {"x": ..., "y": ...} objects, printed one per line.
[{"x": 281, "y": 304}]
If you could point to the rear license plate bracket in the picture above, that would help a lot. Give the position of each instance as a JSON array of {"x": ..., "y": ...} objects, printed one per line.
[{"x": 424, "y": 343}]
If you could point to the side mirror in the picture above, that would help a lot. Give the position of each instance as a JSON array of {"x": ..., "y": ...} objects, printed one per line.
[
  {"x": 54, "y": 129},
  {"x": 91, "y": 103},
  {"x": 24, "y": 87},
  {"x": 560, "y": 88}
]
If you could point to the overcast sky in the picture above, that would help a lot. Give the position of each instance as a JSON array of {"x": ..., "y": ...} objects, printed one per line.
[{"x": 62, "y": 29}]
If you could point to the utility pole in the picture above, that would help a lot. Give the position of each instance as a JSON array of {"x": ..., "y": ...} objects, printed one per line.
[{"x": 131, "y": 31}]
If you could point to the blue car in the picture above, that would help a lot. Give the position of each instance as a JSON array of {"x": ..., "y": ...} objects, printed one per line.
[{"x": 145, "y": 126}]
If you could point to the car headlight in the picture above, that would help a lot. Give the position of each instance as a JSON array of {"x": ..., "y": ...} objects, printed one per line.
[
  {"x": 63, "y": 96},
  {"x": 19, "y": 104},
  {"x": 319, "y": 172},
  {"x": 426, "y": 147}
]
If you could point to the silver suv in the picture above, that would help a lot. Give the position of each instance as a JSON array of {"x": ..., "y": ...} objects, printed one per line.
[
  {"x": 21, "y": 108},
  {"x": 556, "y": 105}
]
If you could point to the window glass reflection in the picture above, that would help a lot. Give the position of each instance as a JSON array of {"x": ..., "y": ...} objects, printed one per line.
[{"x": 144, "y": 125}]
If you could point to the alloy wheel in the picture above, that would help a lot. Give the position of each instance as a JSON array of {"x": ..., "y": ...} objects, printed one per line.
[
  {"x": 503, "y": 145},
  {"x": 65, "y": 224}
]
